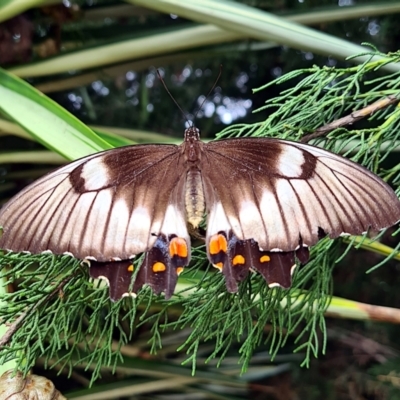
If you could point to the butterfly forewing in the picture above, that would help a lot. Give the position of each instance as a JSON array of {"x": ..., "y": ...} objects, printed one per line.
[
  {"x": 283, "y": 194},
  {"x": 102, "y": 206}
]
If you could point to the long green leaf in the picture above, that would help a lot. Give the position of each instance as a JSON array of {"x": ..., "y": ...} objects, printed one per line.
[
  {"x": 11, "y": 8},
  {"x": 31, "y": 157},
  {"x": 45, "y": 120},
  {"x": 161, "y": 42},
  {"x": 255, "y": 23}
]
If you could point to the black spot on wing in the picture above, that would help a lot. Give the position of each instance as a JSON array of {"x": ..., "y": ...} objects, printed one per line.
[{"x": 321, "y": 233}]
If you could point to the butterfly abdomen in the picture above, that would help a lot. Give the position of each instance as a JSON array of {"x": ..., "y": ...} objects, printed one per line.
[{"x": 194, "y": 197}]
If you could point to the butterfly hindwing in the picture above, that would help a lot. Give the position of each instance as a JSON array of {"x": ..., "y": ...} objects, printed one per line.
[
  {"x": 234, "y": 258},
  {"x": 117, "y": 275},
  {"x": 159, "y": 269},
  {"x": 162, "y": 265}
]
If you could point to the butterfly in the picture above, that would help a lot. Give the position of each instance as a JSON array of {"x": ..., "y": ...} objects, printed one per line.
[{"x": 265, "y": 201}]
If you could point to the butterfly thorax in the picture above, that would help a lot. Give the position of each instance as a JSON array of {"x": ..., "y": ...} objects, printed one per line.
[
  {"x": 192, "y": 134},
  {"x": 192, "y": 145}
]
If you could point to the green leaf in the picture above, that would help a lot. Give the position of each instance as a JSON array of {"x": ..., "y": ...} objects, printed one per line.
[
  {"x": 31, "y": 157},
  {"x": 161, "y": 41},
  {"x": 11, "y": 8},
  {"x": 45, "y": 120},
  {"x": 255, "y": 23}
]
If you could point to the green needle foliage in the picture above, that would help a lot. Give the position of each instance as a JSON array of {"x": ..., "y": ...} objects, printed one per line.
[
  {"x": 59, "y": 314},
  {"x": 70, "y": 321}
]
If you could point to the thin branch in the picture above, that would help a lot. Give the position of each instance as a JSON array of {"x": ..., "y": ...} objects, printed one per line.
[{"x": 352, "y": 118}]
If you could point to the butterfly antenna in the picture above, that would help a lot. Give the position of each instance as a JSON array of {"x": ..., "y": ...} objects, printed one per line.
[
  {"x": 172, "y": 97},
  {"x": 208, "y": 94}
]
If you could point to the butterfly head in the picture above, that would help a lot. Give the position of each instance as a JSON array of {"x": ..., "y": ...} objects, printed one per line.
[{"x": 192, "y": 134}]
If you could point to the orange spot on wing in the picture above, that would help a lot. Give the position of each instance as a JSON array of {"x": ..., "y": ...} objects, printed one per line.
[
  {"x": 238, "y": 259},
  {"x": 178, "y": 247},
  {"x": 159, "y": 267},
  {"x": 265, "y": 258},
  {"x": 179, "y": 270},
  {"x": 131, "y": 268},
  {"x": 219, "y": 265},
  {"x": 218, "y": 243}
]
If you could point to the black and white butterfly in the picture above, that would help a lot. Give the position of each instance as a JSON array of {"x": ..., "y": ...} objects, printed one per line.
[{"x": 266, "y": 201}]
